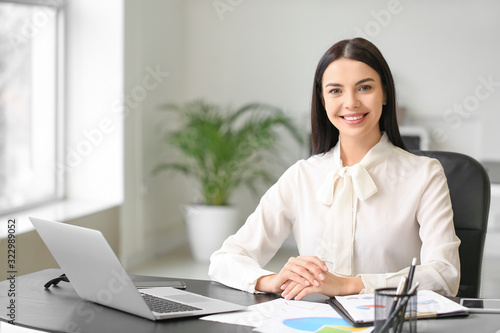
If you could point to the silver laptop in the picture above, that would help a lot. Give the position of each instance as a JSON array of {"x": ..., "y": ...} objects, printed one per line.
[{"x": 97, "y": 275}]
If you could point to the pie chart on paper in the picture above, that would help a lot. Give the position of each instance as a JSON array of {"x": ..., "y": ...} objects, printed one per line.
[{"x": 313, "y": 324}]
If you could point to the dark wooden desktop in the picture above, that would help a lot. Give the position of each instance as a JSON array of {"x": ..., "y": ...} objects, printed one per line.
[{"x": 59, "y": 309}]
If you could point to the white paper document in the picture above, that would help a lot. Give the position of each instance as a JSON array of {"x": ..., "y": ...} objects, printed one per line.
[
  {"x": 281, "y": 315},
  {"x": 429, "y": 304},
  {"x": 8, "y": 328}
]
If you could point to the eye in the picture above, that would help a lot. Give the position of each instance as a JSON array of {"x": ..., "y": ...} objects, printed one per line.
[
  {"x": 335, "y": 91},
  {"x": 365, "y": 87}
]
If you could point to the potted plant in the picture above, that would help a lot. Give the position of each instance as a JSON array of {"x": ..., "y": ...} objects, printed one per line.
[{"x": 223, "y": 150}]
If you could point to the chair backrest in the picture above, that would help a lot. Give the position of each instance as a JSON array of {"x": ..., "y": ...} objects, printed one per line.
[{"x": 470, "y": 189}]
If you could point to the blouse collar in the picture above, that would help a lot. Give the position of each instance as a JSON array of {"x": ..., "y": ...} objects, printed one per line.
[{"x": 362, "y": 183}]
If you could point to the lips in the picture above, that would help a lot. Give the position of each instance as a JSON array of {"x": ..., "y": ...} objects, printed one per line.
[{"x": 354, "y": 118}]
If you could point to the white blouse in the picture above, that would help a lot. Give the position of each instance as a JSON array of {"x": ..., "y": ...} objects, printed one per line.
[{"x": 366, "y": 220}]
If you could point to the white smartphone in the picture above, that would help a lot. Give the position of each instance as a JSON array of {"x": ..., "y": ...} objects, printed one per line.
[{"x": 481, "y": 305}]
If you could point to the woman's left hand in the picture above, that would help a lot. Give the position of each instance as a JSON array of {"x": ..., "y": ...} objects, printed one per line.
[{"x": 333, "y": 285}]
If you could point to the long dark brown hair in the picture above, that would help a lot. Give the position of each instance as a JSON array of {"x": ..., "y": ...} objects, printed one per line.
[{"x": 324, "y": 135}]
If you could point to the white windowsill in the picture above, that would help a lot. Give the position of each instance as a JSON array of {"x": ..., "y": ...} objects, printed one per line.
[{"x": 62, "y": 211}]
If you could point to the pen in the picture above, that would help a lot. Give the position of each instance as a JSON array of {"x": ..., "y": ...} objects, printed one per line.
[
  {"x": 401, "y": 286},
  {"x": 411, "y": 273},
  {"x": 398, "y": 309},
  {"x": 399, "y": 291}
]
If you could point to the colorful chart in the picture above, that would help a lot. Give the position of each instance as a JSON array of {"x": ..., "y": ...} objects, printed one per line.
[
  {"x": 360, "y": 297},
  {"x": 370, "y": 306},
  {"x": 339, "y": 329},
  {"x": 313, "y": 324},
  {"x": 427, "y": 302}
]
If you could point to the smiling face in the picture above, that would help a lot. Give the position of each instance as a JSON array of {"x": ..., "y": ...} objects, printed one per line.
[{"x": 353, "y": 96}]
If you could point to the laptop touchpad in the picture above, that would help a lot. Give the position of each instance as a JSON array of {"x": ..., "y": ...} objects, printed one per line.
[{"x": 188, "y": 298}]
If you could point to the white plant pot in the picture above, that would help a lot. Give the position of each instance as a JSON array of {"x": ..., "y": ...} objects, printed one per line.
[{"x": 208, "y": 227}]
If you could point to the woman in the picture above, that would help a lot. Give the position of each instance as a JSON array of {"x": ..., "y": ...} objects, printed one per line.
[{"x": 360, "y": 208}]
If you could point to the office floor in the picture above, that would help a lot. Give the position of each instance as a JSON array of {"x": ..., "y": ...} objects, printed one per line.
[{"x": 181, "y": 264}]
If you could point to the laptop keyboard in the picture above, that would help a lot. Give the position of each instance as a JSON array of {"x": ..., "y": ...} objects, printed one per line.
[{"x": 162, "y": 305}]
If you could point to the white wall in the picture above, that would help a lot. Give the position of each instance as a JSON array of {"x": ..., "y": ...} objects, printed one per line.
[
  {"x": 236, "y": 51},
  {"x": 154, "y": 74},
  {"x": 439, "y": 53}
]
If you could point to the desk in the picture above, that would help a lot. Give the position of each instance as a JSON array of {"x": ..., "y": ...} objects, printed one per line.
[{"x": 60, "y": 309}]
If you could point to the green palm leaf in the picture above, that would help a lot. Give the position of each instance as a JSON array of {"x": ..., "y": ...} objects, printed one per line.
[{"x": 223, "y": 150}]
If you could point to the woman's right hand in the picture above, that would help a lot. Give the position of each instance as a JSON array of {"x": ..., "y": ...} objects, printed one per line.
[{"x": 304, "y": 270}]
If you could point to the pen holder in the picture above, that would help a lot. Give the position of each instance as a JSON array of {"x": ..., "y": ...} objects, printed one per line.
[{"x": 395, "y": 313}]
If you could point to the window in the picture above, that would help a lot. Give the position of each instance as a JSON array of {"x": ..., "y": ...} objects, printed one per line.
[{"x": 30, "y": 65}]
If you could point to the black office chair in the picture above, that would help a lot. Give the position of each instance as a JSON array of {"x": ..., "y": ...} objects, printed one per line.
[{"x": 470, "y": 198}]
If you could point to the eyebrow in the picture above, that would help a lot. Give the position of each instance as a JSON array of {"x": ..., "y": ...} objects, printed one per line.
[{"x": 357, "y": 83}]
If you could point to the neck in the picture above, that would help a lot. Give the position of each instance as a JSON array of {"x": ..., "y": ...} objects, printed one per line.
[{"x": 353, "y": 149}]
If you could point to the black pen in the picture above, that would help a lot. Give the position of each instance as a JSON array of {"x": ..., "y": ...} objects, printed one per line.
[{"x": 411, "y": 273}]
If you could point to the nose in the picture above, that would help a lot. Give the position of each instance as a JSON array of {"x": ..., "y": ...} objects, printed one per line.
[{"x": 351, "y": 101}]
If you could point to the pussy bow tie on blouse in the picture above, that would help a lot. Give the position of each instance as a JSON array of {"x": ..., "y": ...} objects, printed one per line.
[{"x": 340, "y": 190}]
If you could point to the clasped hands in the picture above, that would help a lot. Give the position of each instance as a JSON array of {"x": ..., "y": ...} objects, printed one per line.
[{"x": 305, "y": 275}]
